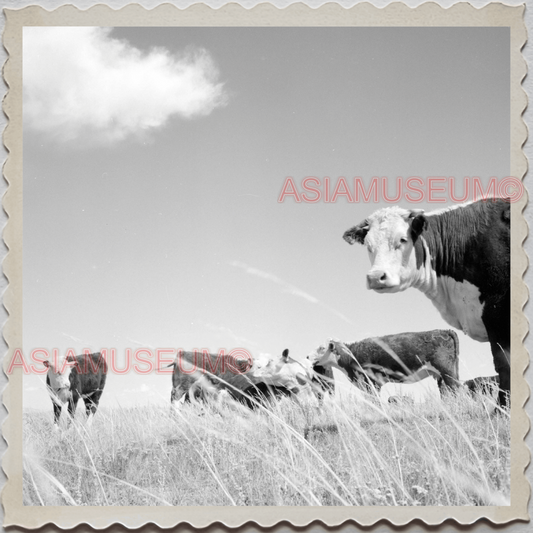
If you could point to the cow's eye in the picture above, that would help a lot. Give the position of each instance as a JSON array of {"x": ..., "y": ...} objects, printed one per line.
[{"x": 403, "y": 240}]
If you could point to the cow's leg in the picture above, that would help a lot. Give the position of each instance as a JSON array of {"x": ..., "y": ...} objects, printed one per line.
[
  {"x": 178, "y": 397},
  {"x": 502, "y": 364},
  {"x": 497, "y": 320},
  {"x": 57, "y": 413},
  {"x": 88, "y": 406},
  {"x": 91, "y": 403},
  {"x": 72, "y": 403}
]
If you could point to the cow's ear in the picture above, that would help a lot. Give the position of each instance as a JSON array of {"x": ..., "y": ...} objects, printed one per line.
[
  {"x": 357, "y": 233},
  {"x": 285, "y": 354},
  {"x": 46, "y": 363},
  {"x": 418, "y": 224}
]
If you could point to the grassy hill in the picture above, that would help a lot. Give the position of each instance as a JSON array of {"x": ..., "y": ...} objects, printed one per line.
[{"x": 454, "y": 452}]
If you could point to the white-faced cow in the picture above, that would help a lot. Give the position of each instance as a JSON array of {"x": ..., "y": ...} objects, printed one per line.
[
  {"x": 378, "y": 360},
  {"x": 197, "y": 375},
  {"x": 71, "y": 378},
  {"x": 458, "y": 257}
]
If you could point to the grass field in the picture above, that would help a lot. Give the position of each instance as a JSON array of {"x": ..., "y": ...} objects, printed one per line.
[{"x": 454, "y": 452}]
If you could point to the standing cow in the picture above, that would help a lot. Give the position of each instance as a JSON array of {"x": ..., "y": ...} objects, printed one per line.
[
  {"x": 458, "y": 257},
  {"x": 394, "y": 357},
  {"x": 71, "y": 378}
]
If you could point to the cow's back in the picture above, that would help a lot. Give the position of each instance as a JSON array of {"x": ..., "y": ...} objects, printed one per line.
[
  {"x": 413, "y": 349},
  {"x": 223, "y": 371}
]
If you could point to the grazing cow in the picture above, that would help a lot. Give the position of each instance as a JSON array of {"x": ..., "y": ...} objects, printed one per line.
[
  {"x": 458, "y": 257},
  {"x": 394, "y": 357},
  {"x": 69, "y": 379},
  {"x": 197, "y": 375}
]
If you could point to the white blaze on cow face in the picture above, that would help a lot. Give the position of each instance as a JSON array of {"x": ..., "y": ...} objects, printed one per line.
[
  {"x": 391, "y": 251},
  {"x": 59, "y": 376},
  {"x": 327, "y": 355}
]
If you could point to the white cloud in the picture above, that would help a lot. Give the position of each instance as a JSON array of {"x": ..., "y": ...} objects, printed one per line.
[
  {"x": 288, "y": 288},
  {"x": 80, "y": 81}
]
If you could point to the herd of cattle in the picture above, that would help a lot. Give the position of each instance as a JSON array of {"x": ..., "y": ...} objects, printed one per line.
[{"x": 458, "y": 257}]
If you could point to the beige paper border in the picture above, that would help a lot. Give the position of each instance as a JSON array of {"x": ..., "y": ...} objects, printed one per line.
[{"x": 397, "y": 14}]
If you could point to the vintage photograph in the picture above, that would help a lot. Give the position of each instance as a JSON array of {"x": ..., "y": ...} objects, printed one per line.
[{"x": 266, "y": 266}]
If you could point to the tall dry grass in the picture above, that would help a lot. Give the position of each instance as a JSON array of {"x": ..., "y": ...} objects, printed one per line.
[{"x": 454, "y": 452}]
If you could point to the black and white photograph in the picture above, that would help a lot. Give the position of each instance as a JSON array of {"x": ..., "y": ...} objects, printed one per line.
[{"x": 268, "y": 266}]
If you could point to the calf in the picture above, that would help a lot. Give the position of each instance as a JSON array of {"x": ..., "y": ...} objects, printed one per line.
[
  {"x": 458, "y": 257},
  {"x": 69, "y": 379},
  {"x": 393, "y": 357},
  {"x": 483, "y": 385}
]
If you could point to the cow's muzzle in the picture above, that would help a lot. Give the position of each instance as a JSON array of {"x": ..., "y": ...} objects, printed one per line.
[{"x": 379, "y": 280}]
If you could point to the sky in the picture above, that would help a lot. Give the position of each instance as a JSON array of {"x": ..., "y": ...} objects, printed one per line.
[{"x": 155, "y": 158}]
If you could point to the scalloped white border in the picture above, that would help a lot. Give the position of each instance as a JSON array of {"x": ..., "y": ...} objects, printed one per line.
[{"x": 396, "y": 14}]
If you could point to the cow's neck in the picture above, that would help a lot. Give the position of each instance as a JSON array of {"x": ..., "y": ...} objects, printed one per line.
[
  {"x": 425, "y": 278},
  {"x": 457, "y": 300}
]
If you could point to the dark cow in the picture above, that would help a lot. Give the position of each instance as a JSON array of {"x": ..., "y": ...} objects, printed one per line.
[
  {"x": 458, "y": 257},
  {"x": 69, "y": 379},
  {"x": 483, "y": 385},
  {"x": 197, "y": 375},
  {"x": 394, "y": 357}
]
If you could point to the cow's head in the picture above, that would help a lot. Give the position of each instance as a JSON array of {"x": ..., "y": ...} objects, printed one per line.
[
  {"x": 327, "y": 355},
  {"x": 389, "y": 236},
  {"x": 59, "y": 375},
  {"x": 284, "y": 372}
]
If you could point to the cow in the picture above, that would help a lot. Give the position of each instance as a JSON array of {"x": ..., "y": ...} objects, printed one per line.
[
  {"x": 459, "y": 257},
  {"x": 377, "y": 360},
  {"x": 73, "y": 377},
  {"x": 483, "y": 385},
  {"x": 197, "y": 375}
]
